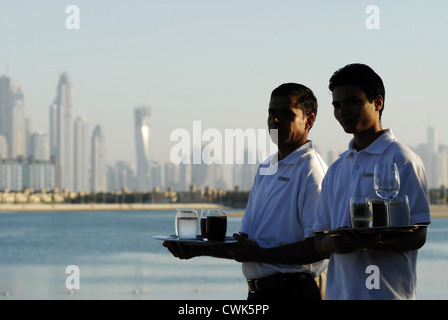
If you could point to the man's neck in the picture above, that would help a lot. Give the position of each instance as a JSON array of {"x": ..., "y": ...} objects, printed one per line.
[
  {"x": 366, "y": 138},
  {"x": 283, "y": 152}
]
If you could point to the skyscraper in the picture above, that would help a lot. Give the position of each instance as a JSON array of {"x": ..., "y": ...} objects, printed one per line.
[
  {"x": 18, "y": 128},
  {"x": 433, "y": 142},
  {"x": 3, "y": 147},
  {"x": 40, "y": 148},
  {"x": 98, "y": 164},
  {"x": 142, "y": 134},
  {"x": 5, "y": 110},
  {"x": 53, "y": 142},
  {"x": 81, "y": 152},
  {"x": 61, "y": 132}
]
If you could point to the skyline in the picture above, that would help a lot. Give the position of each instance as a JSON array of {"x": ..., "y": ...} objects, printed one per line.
[
  {"x": 150, "y": 174},
  {"x": 218, "y": 63}
]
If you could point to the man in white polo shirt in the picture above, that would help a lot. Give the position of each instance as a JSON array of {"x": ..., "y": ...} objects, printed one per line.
[
  {"x": 281, "y": 206},
  {"x": 375, "y": 266}
]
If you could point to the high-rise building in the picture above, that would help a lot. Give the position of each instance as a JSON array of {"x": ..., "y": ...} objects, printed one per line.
[
  {"x": 19, "y": 127},
  {"x": 124, "y": 176},
  {"x": 40, "y": 146},
  {"x": 3, "y": 147},
  {"x": 18, "y": 174},
  {"x": 98, "y": 164},
  {"x": 53, "y": 142},
  {"x": 5, "y": 109},
  {"x": 171, "y": 175},
  {"x": 433, "y": 142},
  {"x": 61, "y": 131},
  {"x": 81, "y": 153},
  {"x": 142, "y": 134},
  {"x": 39, "y": 175}
]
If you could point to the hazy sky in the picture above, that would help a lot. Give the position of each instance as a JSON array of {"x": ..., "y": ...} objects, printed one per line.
[{"x": 218, "y": 61}]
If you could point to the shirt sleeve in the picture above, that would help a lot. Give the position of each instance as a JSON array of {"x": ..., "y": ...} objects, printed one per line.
[
  {"x": 413, "y": 184},
  {"x": 322, "y": 218},
  {"x": 246, "y": 220},
  {"x": 307, "y": 200}
]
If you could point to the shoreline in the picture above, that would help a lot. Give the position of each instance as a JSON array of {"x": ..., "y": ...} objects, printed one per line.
[
  {"x": 437, "y": 211},
  {"x": 6, "y": 208}
]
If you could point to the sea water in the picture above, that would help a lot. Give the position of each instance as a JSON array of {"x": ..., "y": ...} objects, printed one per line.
[
  {"x": 118, "y": 259},
  {"x": 116, "y": 256}
]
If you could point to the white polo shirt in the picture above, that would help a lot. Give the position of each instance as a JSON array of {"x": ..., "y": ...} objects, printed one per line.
[
  {"x": 281, "y": 208},
  {"x": 351, "y": 276}
]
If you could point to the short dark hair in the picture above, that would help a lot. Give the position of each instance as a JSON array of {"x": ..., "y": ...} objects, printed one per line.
[
  {"x": 306, "y": 101},
  {"x": 362, "y": 76}
]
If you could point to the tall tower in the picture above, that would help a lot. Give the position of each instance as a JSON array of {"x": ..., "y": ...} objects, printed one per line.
[
  {"x": 18, "y": 128},
  {"x": 98, "y": 164},
  {"x": 5, "y": 111},
  {"x": 53, "y": 142},
  {"x": 433, "y": 142},
  {"x": 64, "y": 131},
  {"x": 142, "y": 134},
  {"x": 81, "y": 152}
]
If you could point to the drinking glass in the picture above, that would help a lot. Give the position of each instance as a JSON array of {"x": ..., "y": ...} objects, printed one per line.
[
  {"x": 380, "y": 214},
  {"x": 186, "y": 223},
  {"x": 400, "y": 212},
  {"x": 204, "y": 214},
  {"x": 361, "y": 212},
  {"x": 203, "y": 223},
  {"x": 386, "y": 181},
  {"x": 216, "y": 225}
]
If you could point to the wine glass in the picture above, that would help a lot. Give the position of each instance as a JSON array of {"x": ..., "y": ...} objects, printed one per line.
[{"x": 386, "y": 182}]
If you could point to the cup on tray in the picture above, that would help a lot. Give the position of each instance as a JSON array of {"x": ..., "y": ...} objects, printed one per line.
[
  {"x": 216, "y": 225},
  {"x": 186, "y": 224},
  {"x": 361, "y": 212},
  {"x": 380, "y": 212},
  {"x": 400, "y": 213}
]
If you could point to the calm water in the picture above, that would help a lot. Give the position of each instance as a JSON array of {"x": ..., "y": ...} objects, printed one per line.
[{"x": 118, "y": 259}]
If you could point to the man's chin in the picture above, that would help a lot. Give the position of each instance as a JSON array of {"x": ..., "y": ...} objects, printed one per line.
[{"x": 348, "y": 129}]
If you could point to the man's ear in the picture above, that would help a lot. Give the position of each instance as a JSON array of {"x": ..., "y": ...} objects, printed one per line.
[
  {"x": 310, "y": 120},
  {"x": 379, "y": 102}
]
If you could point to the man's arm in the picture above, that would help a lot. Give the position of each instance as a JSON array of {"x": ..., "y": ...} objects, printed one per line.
[
  {"x": 302, "y": 252},
  {"x": 185, "y": 252},
  {"x": 400, "y": 241},
  {"x": 348, "y": 241}
]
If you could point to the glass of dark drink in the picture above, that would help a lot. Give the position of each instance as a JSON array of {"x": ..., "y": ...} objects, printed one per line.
[
  {"x": 216, "y": 225},
  {"x": 204, "y": 214},
  {"x": 380, "y": 213},
  {"x": 361, "y": 213}
]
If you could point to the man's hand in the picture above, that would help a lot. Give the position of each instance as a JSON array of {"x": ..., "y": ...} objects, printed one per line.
[
  {"x": 246, "y": 250},
  {"x": 180, "y": 250},
  {"x": 342, "y": 243},
  {"x": 185, "y": 252}
]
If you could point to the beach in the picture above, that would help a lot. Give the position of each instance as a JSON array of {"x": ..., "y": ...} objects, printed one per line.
[
  {"x": 439, "y": 211},
  {"x": 26, "y": 207}
]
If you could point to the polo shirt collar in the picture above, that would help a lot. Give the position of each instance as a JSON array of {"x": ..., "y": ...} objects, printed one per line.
[
  {"x": 376, "y": 147},
  {"x": 293, "y": 157}
]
